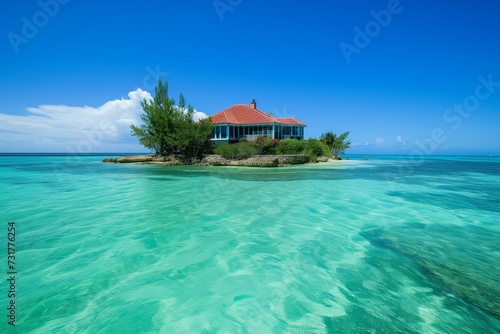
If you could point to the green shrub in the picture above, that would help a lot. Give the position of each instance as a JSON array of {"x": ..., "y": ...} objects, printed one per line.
[
  {"x": 265, "y": 146},
  {"x": 245, "y": 151},
  {"x": 236, "y": 151},
  {"x": 290, "y": 146},
  {"x": 315, "y": 148}
]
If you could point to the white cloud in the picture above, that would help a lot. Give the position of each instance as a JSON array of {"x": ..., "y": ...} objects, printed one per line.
[
  {"x": 401, "y": 140},
  {"x": 61, "y": 128},
  {"x": 379, "y": 141},
  {"x": 199, "y": 115}
]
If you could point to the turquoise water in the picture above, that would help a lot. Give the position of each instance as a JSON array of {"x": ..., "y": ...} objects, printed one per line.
[{"x": 361, "y": 246}]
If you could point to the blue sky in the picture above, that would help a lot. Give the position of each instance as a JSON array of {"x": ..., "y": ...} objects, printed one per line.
[{"x": 405, "y": 77}]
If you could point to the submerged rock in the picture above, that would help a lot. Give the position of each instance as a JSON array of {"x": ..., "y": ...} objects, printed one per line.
[{"x": 465, "y": 259}]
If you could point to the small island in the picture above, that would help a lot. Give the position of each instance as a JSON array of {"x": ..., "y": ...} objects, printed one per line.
[
  {"x": 241, "y": 135},
  {"x": 218, "y": 160}
]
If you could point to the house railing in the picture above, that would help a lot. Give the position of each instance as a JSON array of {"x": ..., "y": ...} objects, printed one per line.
[{"x": 265, "y": 134}]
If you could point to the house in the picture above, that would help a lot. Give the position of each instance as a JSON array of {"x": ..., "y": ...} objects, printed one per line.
[{"x": 246, "y": 121}]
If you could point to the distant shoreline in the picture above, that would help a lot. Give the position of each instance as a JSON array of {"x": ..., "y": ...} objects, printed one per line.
[{"x": 354, "y": 156}]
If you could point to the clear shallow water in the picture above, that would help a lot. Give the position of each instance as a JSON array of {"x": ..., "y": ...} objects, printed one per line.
[{"x": 382, "y": 246}]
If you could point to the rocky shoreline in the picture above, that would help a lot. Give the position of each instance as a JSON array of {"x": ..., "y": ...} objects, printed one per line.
[{"x": 217, "y": 160}]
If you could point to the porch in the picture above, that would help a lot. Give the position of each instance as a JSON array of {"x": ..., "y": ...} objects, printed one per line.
[{"x": 251, "y": 132}]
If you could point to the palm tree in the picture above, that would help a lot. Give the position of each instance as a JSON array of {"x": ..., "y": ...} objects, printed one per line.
[
  {"x": 328, "y": 138},
  {"x": 336, "y": 144},
  {"x": 341, "y": 144}
]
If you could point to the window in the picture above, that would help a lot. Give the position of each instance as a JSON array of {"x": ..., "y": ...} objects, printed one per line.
[{"x": 220, "y": 132}]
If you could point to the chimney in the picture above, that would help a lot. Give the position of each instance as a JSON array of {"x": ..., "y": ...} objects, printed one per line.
[{"x": 254, "y": 104}]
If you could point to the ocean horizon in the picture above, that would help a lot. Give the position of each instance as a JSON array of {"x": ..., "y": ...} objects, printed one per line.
[
  {"x": 390, "y": 244},
  {"x": 347, "y": 156}
]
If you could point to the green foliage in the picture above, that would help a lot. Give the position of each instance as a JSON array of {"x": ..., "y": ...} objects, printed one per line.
[
  {"x": 152, "y": 133},
  {"x": 170, "y": 129},
  {"x": 265, "y": 146},
  {"x": 336, "y": 144},
  {"x": 193, "y": 139},
  {"x": 315, "y": 148},
  {"x": 290, "y": 146},
  {"x": 341, "y": 144},
  {"x": 312, "y": 147},
  {"x": 328, "y": 138},
  {"x": 236, "y": 151}
]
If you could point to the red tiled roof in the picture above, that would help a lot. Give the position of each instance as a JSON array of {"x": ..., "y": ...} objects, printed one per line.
[
  {"x": 290, "y": 120},
  {"x": 244, "y": 114}
]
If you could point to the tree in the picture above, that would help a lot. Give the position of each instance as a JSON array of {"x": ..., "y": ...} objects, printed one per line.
[
  {"x": 328, "y": 138},
  {"x": 341, "y": 144},
  {"x": 315, "y": 148},
  {"x": 336, "y": 144},
  {"x": 156, "y": 121},
  {"x": 170, "y": 129}
]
